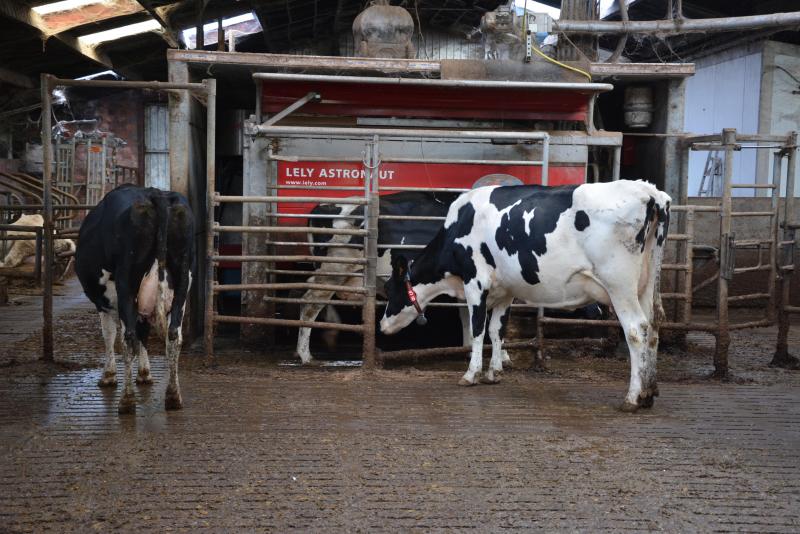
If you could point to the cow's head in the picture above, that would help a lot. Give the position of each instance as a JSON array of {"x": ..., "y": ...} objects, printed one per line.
[{"x": 400, "y": 309}]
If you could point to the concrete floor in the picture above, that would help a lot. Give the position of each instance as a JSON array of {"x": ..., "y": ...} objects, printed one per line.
[{"x": 261, "y": 446}]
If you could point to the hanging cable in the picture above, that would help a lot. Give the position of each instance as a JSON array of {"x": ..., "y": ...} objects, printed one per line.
[{"x": 548, "y": 58}]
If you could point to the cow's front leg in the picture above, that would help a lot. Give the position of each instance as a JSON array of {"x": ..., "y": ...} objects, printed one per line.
[
  {"x": 497, "y": 333},
  {"x": 108, "y": 324},
  {"x": 476, "y": 300}
]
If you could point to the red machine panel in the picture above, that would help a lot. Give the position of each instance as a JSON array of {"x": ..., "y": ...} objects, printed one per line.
[
  {"x": 386, "y": 100},
  {"x": 456, "y": 175}
]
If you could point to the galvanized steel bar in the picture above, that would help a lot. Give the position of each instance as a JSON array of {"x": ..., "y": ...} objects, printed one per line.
[
  {"x": 210, "y": 86},
  {"x": 49, "y": 257},
  {"x": 371, "y": 185},
  {"x": 278, "y": 131},
  {"x": 289, "y": 258},
  {"x": 289, "y": 230},
  {"x": 310, "y": 97},
  {"x": 288, "y": 285},
  {"x": 723, "y": 334},
  {"x": 241, "y": 199},
  {"x": 556, "y": 86},
  {"x": 287, "y": 322},
  {"x": 114, "y": 84}
]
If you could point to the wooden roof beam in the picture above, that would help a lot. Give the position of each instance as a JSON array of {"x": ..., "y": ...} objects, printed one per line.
[
  {"x": 172, "y": 38},
  {"x": 25, "y": 15}
]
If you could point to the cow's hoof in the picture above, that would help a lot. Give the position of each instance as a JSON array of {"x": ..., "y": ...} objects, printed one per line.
[
  {"x": 785, "y": 361},
  {"x": 646, "y": 401},
  {"x": 486, "y": 379},
  {"x": 127, "y": 405},
  {"x": 508, "y": 364},
  {"x": 539, "y": 368},
  {"x": 109, "y": 380},
  {"x": 144, "y": 379},
  {"x": 173, "y": 401},
  {"x": 628, "y": 407},
  {"x": 464, "y": 382}
]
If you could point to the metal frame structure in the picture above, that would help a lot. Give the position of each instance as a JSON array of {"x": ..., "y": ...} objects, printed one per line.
[
  {"x": 369, "y": 197},
  {"x": 765, "y": 247},
  {"x": 206, "y": 90}
]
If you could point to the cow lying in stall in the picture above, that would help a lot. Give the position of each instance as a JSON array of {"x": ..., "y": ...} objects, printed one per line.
[
  {"x": 24, "y": 249},
  {"x": 560, "y": 247},
  {"x": 390, "y": 231},
  {"x": 134, "y": 260}
]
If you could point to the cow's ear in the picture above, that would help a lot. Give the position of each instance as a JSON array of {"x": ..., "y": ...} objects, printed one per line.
[{"x": 399, "y": 266}]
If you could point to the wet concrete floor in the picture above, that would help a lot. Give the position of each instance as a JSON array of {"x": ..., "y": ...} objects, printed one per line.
[{"x": 264, "y": 447}]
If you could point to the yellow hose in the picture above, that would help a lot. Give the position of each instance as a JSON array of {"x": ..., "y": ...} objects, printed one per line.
[
  {"x": 551, "y": 60},
  {"x": 548, "y": 58}
]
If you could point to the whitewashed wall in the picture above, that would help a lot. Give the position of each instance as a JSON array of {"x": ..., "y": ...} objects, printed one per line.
[
  {"x": 780, "y": 107},
  {"x": 725, "y": 93}
]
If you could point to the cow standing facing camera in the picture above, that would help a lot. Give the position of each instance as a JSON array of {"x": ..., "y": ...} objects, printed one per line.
[
  {"x": 552, "y": 247},
  {"x": 134, "y": 260}
]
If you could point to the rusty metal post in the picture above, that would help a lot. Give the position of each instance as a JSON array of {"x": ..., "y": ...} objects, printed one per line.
[
  {"x": 47, "y": 152},
  {"x": 372, "y": 162},
  {"x": 787, "y": 267},
  {"x": 211, "y": 127},
  {"x": 726, "y": 248},
  {"x": 774, "y": 250},
  {"x": 689, "y": 273},
  {"x": 538, "y": 356},
  {"x": 37, "y": 266}
]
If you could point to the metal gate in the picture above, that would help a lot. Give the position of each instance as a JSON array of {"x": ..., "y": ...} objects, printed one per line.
[{"x": 267, "y": 233}]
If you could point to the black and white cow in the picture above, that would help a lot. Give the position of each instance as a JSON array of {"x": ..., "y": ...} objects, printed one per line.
[
  {"x": 134, "y": 260},
  {"x": 559, "y": 247},
  {"x": 390, "y": 231}
]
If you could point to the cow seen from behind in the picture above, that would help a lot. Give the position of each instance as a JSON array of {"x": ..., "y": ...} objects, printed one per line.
[
  {"x": 553, "y": 247},
  {"x": 134, "y": 260}
]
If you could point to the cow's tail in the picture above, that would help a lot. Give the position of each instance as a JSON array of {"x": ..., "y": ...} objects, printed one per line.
[
  {"x": 657, "y": 241},
  {"x": 162, "y": 204}
]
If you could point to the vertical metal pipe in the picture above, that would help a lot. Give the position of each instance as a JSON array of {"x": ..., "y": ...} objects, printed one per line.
[
  {"x": 211, "y": 128},
  {"x": 220, "y": 36},
  {"x": 616, "y": 160},
  {"x": 774, "y": 271},
  {"x": 689, "y": 273},
  {"x": 37, "y": 266},
  {"x": 723, "y": 332},
  {"x": 47, "y": 157},
  {"x": 538, "y": 357},
  {"x": 546, "y": 160},
  {"x": 371, "y": 186},
  {"x": 259, "y": 118},
  {"x": 782, "y": 357}
]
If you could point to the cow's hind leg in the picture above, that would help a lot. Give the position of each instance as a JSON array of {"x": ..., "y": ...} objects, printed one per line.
[
  {"x": 143, "y": 376},
  {"x": 638, "y": 331},
  {"x": 127, "y": 403},
  {"x": 497, "y": 333},
  {"x": 309, "y": 313},
  {"x": 108, "y": 324}
]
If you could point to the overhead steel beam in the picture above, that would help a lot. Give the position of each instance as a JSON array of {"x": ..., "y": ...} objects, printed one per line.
[
  {"x": 679, "y": 26},
  {"x": 25, "y": 15},
  {"x": 169, "y": 35},
  {"x": 15, "y": 78}
]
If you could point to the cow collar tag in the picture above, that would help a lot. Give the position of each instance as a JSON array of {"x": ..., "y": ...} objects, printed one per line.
[{"x": 412, "y": 296}]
